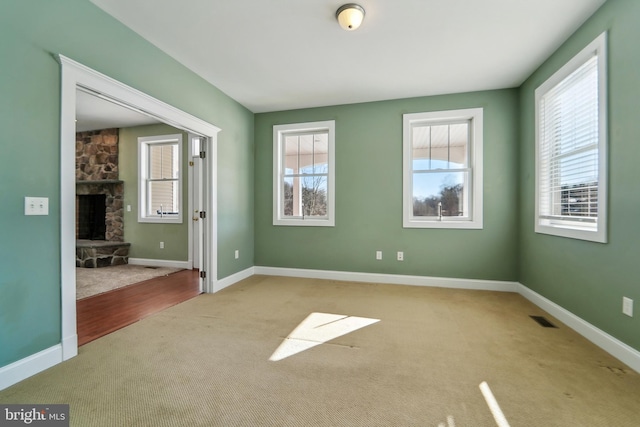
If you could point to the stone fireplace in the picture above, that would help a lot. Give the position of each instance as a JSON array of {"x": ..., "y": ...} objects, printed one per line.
[{"x": 99, "y": 201}]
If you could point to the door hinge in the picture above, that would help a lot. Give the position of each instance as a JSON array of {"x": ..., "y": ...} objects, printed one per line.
[
  {"x": 203, "y": 214},
  {"x": 203, "y": 154},
  {"x": 191, "y": 163},
  {"x": 203, "y": 274}
]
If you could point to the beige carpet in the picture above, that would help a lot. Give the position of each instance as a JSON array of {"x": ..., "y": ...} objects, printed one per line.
[
  {"x": 93, "y": 281},
  {"x": 205, "y": 362}
]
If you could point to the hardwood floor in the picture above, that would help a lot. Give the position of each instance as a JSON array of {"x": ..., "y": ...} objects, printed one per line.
[{"x": 102, "y": 314}]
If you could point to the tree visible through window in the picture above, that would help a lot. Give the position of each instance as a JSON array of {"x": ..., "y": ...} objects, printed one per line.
[
  {"x": 303, "y": 172},
  {"x": 305, "y": 177},
  {"x": 443, "y": 169},
  {"x": 440, "y": 169}
]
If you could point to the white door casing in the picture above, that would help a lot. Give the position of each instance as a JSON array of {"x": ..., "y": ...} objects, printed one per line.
[{"x": 74, "y": 75}]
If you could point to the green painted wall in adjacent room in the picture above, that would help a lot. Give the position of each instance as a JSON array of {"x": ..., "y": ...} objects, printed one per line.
[
  {"x": 31, "y": 32},
  {"x": 369, "y": 195},
  {"x": 590, "y": 279},
  {"x": 145, "y": 237}
]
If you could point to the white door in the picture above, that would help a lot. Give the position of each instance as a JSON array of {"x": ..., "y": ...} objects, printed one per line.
[{"x": 197, "y": 168}]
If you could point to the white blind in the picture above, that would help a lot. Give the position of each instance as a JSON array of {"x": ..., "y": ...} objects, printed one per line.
[{"x": 568, "y": 149}]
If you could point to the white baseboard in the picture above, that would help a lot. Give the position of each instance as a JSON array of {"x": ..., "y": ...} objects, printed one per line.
[
  {"x": 394, "y": 279},
  {"x": 626, "y": 354},
  {"x": 69, "y": 347},
  {"x": 234, "y": 278},
  {"x": 29, "y": 366},
  {"x": 160, "y": 263}
]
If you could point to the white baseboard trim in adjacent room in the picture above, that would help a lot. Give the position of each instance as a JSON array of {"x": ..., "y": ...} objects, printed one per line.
[
  {"x": 160, "y": 263},
  {"x": 608, "y": 343},
  {"x": 394, "y": 279},
  {"x": 234, "y": 278},
  {"x": 29, "y": 366}
]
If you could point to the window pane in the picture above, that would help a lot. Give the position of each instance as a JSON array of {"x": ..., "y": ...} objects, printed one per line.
[
  {"x": 440, "y": 147},
  {"x": 306, "y": 153},
  {"x": 434, "y": 189},
  {"x": 163, "y": 197},
  {"x": 314, "y": 195},
  {"x": 163, "y": 161},
  {"x": 459, "y": 141},
  {"x": 320, "y": 153},
  {"x": 421, "y": 145},
  {"x": 290, "y": 196},
  {"x": 291, "y": 154}
]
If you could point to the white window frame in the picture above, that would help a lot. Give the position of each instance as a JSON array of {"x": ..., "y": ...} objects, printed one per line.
[
  {"x": 143, "y": 175},
  {"x": 561, "y": 227},
  {"x": 279, "y": 132},
  {"x": 475, "y": 161}
]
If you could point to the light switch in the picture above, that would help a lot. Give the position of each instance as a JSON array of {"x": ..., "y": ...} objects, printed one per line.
[{"x": 36, "y": 206}]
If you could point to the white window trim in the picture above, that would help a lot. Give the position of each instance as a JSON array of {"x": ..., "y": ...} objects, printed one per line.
[
  {"x": 475, "y": 221},
  {"x": 143, "y": 164},
  {"x": 278, "y": 132},
  {"x": 566, "y": 228}
]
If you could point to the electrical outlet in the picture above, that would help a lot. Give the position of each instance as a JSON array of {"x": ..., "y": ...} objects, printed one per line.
[
  {"x": 237, "y": 254},
  {"x": 161, "y": 245},
  {"x": 627, "y": 306},
  {"x": 400, "y": 256},
  {"x": 128, "y": 208},
  {"x": 378, "y": 255}
]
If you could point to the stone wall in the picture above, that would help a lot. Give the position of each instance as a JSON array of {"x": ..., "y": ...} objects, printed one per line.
[{"x": 97, "y": 155}]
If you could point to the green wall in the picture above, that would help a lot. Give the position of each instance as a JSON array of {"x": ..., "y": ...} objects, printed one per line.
[
  {"x": 590, "y": 279},
  {"x": 145, "y": 237},
  {"x": 31, "y": 32},
  {"x": 369, "y": 195}
]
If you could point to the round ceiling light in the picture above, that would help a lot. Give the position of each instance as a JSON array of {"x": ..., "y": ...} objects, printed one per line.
[{"x": 350, "y": 16}]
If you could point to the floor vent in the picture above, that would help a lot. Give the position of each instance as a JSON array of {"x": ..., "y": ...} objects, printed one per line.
[
  {"x": 153, "y": 268},
  {"x": 543, "y": 322}
]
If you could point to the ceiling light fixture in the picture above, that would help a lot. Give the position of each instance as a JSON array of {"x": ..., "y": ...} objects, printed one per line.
[{"x": 350, "y": 16}]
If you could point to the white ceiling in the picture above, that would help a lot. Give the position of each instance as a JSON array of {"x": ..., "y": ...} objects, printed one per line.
[
  {"x": 93, "y": 113},
  {"x": 289, "y": 54}
]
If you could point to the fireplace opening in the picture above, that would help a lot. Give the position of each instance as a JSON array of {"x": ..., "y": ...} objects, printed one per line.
[{"x": 92, "y": 216}]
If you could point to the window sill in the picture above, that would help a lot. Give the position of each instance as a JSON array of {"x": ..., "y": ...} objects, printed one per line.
[
  {"x": 305, "y": 222},
  {"x": 152, "y": 220},
  {"x": 463, "y": 225},
  {"x": 572, "y": 232}
]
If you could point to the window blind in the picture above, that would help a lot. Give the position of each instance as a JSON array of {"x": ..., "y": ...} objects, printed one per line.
[{"x": 568, "y": 149}]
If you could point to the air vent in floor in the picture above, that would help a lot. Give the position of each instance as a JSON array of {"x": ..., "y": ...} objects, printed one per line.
[{"x": 543, "y": 322}]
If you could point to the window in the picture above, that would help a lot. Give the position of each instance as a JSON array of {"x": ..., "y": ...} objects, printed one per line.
[
  {"x": 303, "y": 158},
  {"x": 160, "y": 178},
  {"x": 442, "y": 158},
  {"x": 571, "y": 148}
]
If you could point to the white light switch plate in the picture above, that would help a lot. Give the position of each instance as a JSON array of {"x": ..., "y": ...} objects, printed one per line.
[
  {"x": 627, "y": 306},
  {"x": 36, "y": 206}
]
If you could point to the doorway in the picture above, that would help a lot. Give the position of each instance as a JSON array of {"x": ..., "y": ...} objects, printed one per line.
[{"x": 74, "y": 76}]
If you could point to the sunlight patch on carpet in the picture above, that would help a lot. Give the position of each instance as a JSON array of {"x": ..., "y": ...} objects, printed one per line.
[
  {"x": 492, "y": 403},
  {"x": 317, "y": 329}
]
